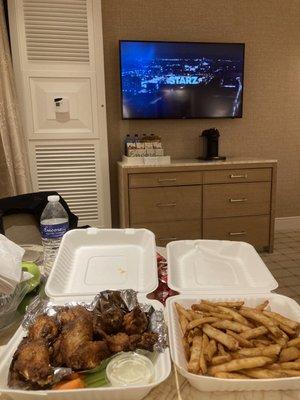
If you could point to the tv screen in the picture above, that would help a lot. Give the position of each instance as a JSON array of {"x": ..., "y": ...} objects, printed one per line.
[{"x": 181, "y": 80}]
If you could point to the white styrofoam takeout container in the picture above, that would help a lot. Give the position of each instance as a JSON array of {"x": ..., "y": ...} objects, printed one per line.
[
  {"x": 89, "y": 261},
  {"x": 221, "y": 271}
]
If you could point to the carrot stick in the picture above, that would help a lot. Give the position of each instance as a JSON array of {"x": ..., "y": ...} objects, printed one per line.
[{"x": 67, "y": 385}]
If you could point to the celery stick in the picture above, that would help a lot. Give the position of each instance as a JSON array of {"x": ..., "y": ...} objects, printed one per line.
[{"x": 97, "y": 384}]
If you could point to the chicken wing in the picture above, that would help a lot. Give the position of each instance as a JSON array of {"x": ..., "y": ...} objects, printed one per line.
[
  {"x": 75, "y": 348},
  {"x": 145, "y": 341},
  {"x": 16, "y": 381},
  {"x": 123, "y": 342},
  {"x": 109, "y": 321},
  {"x": 32, "y": 362},
  {"x": 88, "y": 355},
  {"x": 69, "y": 314},
  {"x": 44, "y": 327},
  {"x": 135, "y": 322},
  {"x": 118, "y": 342}
]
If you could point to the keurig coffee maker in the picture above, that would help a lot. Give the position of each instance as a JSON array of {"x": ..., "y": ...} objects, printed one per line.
[{"x": 211, "y": 145}]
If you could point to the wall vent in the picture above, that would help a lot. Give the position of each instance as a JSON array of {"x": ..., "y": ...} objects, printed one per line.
[
  {"x": 56, "y": 30},
  {"x": 71, "y": 171}
]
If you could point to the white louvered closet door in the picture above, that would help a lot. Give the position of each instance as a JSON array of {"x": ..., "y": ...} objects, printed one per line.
[{"x": 58, "y": 52}]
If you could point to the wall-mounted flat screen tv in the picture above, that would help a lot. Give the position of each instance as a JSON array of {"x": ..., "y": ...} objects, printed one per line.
[{"x": 181, "y": 79}]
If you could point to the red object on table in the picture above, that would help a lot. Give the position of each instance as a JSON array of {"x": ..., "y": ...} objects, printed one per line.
[{"x": 163, "y": 291}]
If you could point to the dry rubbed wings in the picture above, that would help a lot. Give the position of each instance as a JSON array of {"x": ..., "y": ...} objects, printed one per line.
[
  {"x": 71, "y": 339},
  {"x": 31, "y": 361}
]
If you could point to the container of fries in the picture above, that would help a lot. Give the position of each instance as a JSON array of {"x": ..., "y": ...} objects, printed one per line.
[{"x": 227, "y": 331}]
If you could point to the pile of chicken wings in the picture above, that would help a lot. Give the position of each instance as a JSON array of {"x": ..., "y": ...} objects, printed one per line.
[{"x": 78, "y": 339}]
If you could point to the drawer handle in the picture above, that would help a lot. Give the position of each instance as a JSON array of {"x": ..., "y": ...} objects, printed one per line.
[
  {"x": 165, "y": 204},
  {"x": 167, "y": 180},
  {"x": 233, "y": 176},
  {"x": 238, "y": 200},
  {"x": 167, "y": 238},
  {"x": 237, "y": 233}
]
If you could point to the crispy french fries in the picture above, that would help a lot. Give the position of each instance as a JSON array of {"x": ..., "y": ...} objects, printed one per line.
[
  {"x": 203, "y": 365},
  {"x": 254, "y": 333},
  {"x": 262, "y": 306},
  {"x": 294, "y": 342},
  {"x": 221, "y": 337},
  {"x": 204, "y": 307},
  {"x": 230, "y": 375},
  {"x": 281, "y": 319},
  {"x": 231, "y": 304},
  {"x": 279, "y": 340},
  {"x": 229, "y": 340},
  {"x": 261, "y": 373},
  {"x": 236, "y": 315},
  {"x": 186, "y": 347},
  {"x": 210, "y": 350},
  {"x": 258, "y": 316},
  {"x": 219, "y": 315},
  {"x": 242, "y": 363},
  {"x": 291, "y": 372},
  {"x": 192, "y": 333},
  {"x": 232, "y": 325},
  {"x": 289, "y": 354},
  {"x": 286, "y": 329},
  {"x": 200, "y": 321},
  {"x": 220, "y": 359},
  {"x": 261, "y": 342},
  {"x": 221, "y": 350},
  {"x": 268, "y": 351},
  {"x": 196, "y": 314},
  {"x": 181, "y": 310},
  {"x": 194, "y": 363},
  {"x": 183, "y": 322},
  {"x": 242, "y": 342},
  {"x": 290, "y": 365}
]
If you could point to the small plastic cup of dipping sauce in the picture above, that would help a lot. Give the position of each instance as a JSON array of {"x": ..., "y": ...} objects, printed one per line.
[{"x": 130, "y": 369}]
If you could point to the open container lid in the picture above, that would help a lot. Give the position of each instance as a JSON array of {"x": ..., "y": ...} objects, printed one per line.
[
  {"x": 217, "y": 266},
  {"x": 92, "y": 260}
]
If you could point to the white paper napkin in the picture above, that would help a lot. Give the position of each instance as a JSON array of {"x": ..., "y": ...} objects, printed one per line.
[{"x": 10, "y": 265}]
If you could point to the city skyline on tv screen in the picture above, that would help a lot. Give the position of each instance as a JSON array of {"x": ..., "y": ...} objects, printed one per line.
[{"x": 181, "y": 80}]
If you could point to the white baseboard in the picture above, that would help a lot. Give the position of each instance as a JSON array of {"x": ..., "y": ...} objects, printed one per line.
[{"x": 283, "y": 224}]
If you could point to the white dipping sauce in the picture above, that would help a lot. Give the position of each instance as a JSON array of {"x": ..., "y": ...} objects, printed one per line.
[{"x": 130, "y": 369}]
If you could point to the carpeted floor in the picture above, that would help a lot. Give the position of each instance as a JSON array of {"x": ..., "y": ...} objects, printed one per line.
[{"x": 284, "y": 263}]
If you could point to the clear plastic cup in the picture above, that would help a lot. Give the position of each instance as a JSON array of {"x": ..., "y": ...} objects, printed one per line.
[{"x": 130, "y": 369}]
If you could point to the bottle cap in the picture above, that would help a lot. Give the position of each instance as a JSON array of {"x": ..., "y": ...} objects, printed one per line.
[{"x": 53, "y": 197}]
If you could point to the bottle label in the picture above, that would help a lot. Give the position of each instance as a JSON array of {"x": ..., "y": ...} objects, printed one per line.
[{"x": 54, "y": 231}]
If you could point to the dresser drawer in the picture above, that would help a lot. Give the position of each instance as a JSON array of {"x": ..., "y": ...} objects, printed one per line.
[
  {"x": 165, "y": 179},
  {"x": 165, "y": 204},
  {"x": 233, "y": 200},
  {"x": 166, "y": 232},
  {"x": 238, "y": 175},
  {"x": 254, "y": 230}
]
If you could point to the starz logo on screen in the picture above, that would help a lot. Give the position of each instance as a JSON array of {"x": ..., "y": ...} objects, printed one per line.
[{"x": 184, "y": 80}]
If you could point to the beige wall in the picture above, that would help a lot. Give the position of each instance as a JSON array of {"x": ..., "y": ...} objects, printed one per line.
[{"x": 271, "y": 122}]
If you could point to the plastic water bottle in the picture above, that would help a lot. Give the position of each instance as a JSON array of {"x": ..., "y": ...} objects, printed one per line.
[{"x": 54, "y": 224}]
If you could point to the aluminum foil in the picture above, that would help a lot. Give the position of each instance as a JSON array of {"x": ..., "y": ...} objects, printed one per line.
[
  {"x": 104, "y": 301},
  {"x": 60, "y": 373},
  {"x": 158, "y": 325},
  {"x": 11, "y": 301}
]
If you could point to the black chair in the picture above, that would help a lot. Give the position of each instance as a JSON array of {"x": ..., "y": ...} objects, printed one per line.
[{"x": 20, "y": 216}]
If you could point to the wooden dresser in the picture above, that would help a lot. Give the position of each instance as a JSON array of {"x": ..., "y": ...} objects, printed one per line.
[{"x": 189, "y": 199}]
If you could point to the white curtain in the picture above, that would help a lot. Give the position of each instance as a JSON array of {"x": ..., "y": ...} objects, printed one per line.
[{"x": 14, "y": 170}]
